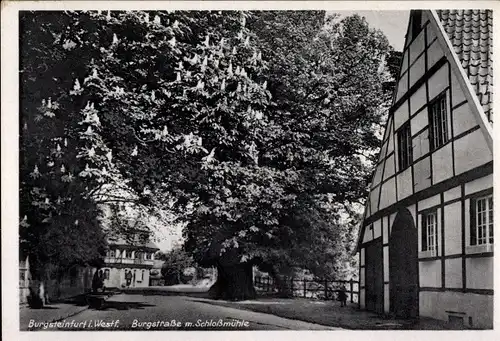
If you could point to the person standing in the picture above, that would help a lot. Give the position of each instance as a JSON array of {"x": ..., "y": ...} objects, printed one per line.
[
  {"x": 128, "y": 278},
  {"x": 343, "y": 297}
]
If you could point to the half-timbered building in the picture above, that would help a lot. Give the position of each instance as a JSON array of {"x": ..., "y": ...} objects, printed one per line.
[{"x": 426, "y": 242}]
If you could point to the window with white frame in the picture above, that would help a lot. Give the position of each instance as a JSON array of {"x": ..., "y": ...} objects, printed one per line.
[
  {"x": 128, "y": 254},
  {"x": 438, "y": 122},
  {"x": 429, "y": 231},
  {"x": 482, "y": 221}
]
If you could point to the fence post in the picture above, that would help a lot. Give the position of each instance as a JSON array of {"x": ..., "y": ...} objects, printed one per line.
[
  {"x": 352, "y": 290},
  {"x": 326, "y": 289},
  {"x": 305, "y": 287}
]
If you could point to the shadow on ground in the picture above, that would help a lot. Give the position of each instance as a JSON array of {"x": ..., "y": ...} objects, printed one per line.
[{"x": 329, "y": 313}]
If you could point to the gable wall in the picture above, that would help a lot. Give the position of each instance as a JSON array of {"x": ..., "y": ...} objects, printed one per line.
[{"x": 444, "y": 179}]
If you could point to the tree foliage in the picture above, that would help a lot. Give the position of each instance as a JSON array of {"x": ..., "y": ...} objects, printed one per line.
[
  {"x": 175, "y": 262},
  {"x": 253, "y": 127}
]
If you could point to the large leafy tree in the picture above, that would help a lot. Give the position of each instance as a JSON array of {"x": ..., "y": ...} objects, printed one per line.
[
  {"x": 249, "y": 125},
  {"x": 113, "y": 106},
  {"x": 312, "y": 161}
]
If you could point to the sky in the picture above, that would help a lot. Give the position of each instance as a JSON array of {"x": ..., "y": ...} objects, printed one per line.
[{"x": 392, "y": 23}]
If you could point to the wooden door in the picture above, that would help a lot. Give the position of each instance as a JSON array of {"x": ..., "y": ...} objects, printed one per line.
[
  {"x": 403, "y": 266},
  {"x": 374, "y": 276}
]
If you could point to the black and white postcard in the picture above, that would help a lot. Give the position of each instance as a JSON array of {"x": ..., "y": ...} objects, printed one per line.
[{"x": 225, "y": 166}]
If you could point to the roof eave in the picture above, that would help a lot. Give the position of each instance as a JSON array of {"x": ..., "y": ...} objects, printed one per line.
[{"x": 463, "y": 80}]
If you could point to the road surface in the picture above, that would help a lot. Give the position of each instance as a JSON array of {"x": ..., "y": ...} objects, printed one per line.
[{"x": 158, "y": 312}]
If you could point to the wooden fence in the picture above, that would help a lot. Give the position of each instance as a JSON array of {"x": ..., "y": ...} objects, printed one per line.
[{"x": 317, "y": 289}]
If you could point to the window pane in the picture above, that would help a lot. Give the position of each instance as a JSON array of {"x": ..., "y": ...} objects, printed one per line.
[{"x": 424, "y": 233}]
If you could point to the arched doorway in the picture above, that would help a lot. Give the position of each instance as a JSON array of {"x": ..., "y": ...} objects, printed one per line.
[{"x": 403, "y": 266}]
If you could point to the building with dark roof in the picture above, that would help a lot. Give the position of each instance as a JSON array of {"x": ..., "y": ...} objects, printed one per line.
[
  {"x": 128, "y": 263},
  {"x": 426, "y": 241}
]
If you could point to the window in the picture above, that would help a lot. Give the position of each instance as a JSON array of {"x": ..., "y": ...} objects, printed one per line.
[
  {"x": 142, "y": 275},
  {"x": 106, "y": 274},
  {"x": 148, "y": 255},
  {"x": 482, "y": 221},
  {"x": 438, "y": 135},
  {"x": 429, "y": 231},
  {"x": 112, "y": 253},
  {"x": 128, "y": 254},
  {"x": 405, "y": 152}
]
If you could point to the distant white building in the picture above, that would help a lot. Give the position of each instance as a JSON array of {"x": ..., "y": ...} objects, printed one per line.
[
  {"x": 128, "y": 264},
  {"x": 426, "y": 242}
]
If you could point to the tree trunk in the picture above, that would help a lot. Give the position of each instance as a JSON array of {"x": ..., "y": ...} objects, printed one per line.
[{"x": 234, "y": 282}]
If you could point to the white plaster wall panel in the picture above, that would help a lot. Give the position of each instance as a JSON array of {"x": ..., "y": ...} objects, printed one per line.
[
  {"x": 405, "y": 184},
  {"x": 368, "y": 211},
  {"x": 362, "y": 277},
  {"x": 438, "y": 82},
  {"x": 467, "y": 221},
  {"x": 390, "y": 146},
  {"x": 386, "y": 263},
  {"x": 478, "y": 307},
  {"x": 378, "y": 174},
  {"x": 463, "y": 119},
  {"x": 425, "y": 19},
  {"x": 377, "y": 228},
  {"x": 456, "y": 90},
  {"x": 388, "y": 194},
  {"x": 387, "y": 298},
  {"x": 471, "y": 151},
  {"x": 429, "y": 202},
  {"x": 420, "y": 121},
  {"x": 362, "y": 298},
  {"x": 402, "y": 86},
  {"x": 404, "y": 64},
  {"x": 428, "y": 306},
  {"x": 389, "y": 167},
  {"x": 453, "y": 273},
  {"x": 401, "y": 115},
  {"x": 417, "y": 46},
  {"x": 442, "y": 164},
  {"x": 362, "y": 256},
  {"x": 430, "y": 273},
  {"x": 434, "y": 53},
  {"x": 383, "y": 151},
  {"x": 431, "y": 34},
  {"x": 417, "y": 70},
  {"x": 480, "y": 184},
  {"x": 421, "y": 145},
  {"x": 422, "y": 173},
  {"x": 413, "y": 211},
  {"x": 385, "y": 230},
  {"x": 418, "y": 100},
  {"x": 374, "y": 196},
  {"x": 479, "y": 273},
  {"x": 391, "y": 221},
  {"x": 453, "y": 228},
  {"x": 368, "y": 235},
  {"x": 453, "y": 193}
]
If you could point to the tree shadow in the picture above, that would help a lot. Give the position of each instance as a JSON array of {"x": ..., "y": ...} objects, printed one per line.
[
  {"x": 46, "y": 307},
  {"x": 114, "y": 305}
]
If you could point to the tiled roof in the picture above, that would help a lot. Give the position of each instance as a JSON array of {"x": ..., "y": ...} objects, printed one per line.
[{"x": 471, "y": 34}]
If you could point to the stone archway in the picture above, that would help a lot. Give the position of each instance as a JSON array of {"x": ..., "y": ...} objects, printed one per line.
[{"x": 403, "y": 266}]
